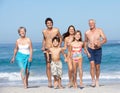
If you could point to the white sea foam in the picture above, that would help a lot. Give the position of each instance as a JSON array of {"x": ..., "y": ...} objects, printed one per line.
[{"x": 15, "y": 76}]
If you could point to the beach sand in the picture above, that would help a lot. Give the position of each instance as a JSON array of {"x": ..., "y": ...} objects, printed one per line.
[{"x": 111, "y": 88}]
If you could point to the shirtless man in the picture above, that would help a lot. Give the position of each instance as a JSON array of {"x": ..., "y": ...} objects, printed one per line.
[
  {"x": 94, "y": 39},
  {"x": 48, "y": 35}
]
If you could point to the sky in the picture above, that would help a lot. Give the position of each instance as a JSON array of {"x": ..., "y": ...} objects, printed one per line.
[{"x": 31, "y": 14}]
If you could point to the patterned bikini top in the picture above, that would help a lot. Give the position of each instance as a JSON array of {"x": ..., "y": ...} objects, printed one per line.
[{"x": 76, "y": 49}]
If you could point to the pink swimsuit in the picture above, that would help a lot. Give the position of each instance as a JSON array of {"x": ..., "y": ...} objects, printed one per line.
[{"x": 76, "y": 53}]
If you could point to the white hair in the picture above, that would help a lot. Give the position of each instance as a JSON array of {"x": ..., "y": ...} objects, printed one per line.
[{"x": 92, "y": 20}]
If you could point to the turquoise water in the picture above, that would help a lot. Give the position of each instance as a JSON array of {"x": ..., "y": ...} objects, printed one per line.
[{"x": 9, "y": 73}]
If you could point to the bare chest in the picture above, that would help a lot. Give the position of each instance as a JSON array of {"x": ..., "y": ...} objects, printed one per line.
[
  {"x": 69, "y": 41},
  {"x": 55, "y": 52},
  {"x": 50, "y": 35},
  {"x": 93, "y": 36}
]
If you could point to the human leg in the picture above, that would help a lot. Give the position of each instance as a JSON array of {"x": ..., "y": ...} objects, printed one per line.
[
  {"x": 48, "y": 70},
  {"x": 98, "y": 57},
  {"x": 80, "y": 72},
  {"x": 92, "y": 72},
  {"x": 75, "y": 73},
  {"x": 22, "y": 73},
  {"x": 92, "y": 65},
  {"x": 59, "y": 73},
  {"x": 27, "y": 76},
  {"x": 55, "y": 82},
  {"x": 22, "y": 60},
  {"x": 59, "y": 83},
  {"x": 23, "y": 77},
  {"x": 97, "y": 66},
  {"x": 70, "y": 73}
]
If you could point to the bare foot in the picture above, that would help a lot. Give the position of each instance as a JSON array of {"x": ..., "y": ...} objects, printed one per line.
[
  {"x": 25, "y": 87},
  {"x": 81, "y": 85},
  {"x": 60, "y": 87},
  {"x": 97, "y": 83},
  {"x": 75, "y": 85},
  {"x": 93, "y": 83},
  {"x": 49, "y": 85},
  {"x": 55, "y": 87},
  {"x": 70, "y": 85}
]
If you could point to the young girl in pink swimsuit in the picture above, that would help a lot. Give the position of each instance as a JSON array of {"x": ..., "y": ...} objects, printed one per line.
[{"x": 76, "y": 56}]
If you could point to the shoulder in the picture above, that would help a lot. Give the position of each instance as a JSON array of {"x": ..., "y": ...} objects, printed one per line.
[
  {"x": 66, "y": 38},
  {"x": 72, "y": 43},
  {"x": 56, "y": 30},
  {"x": 81, "y": 42},
  {"x": 99, "y": 29},
  {"x": 87, "y": 32},
  {"x": 28, "y": 39},
  {"x": 18, "y": 40},
  {"x": 44, "y": 30}
]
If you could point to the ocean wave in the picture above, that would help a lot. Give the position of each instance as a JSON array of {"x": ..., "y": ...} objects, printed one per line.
[
  {"x": 15, "y": 76},
  {"x": 34, "y": 50}
]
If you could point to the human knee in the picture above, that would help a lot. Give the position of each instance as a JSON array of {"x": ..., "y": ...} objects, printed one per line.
[
  {"x": 92, "y": 66},
  {"x": 70, "y": 70},
  {"x": 80, "y": 68},
  {"x": 75, "y": 73},
  {"x": 97, "y": 67},
  {"x": 48, "y": 67}
]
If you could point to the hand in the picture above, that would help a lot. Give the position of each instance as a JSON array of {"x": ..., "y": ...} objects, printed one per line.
[
  {"x": 12, "y": 60},
  {"x": 88, "y": 54},
  {"x": 85, "y": 51},
  {"x": 59, "y": 45},
  {"x": 43, "y": 49},
  {"x": 30, "y": 59},
  {"x": 66, "y": 60},
  {"x": 97, "y": 45}
]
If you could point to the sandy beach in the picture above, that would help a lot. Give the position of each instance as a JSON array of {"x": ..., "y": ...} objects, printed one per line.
[{"x": 111, "y": 88}]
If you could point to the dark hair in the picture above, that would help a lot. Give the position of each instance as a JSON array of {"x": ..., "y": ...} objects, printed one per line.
[
  {"x": 78, "y": 31},
  {"x": 48, "y": 19},
  {"x": 21, "y": 28},
  {"x": 67, "y": 33},
  {"x": 56, "y": 38}
]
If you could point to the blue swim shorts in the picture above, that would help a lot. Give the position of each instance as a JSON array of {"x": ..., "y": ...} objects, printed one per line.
[{"x": 96, "y": 55}]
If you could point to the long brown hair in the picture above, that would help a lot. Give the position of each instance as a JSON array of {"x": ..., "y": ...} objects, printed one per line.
[
  {"x": 67, "y": 33},
  {"x": 78, "y": 31}
]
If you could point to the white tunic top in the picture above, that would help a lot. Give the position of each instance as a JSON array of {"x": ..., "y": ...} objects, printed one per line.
[{"x": 23, "y": 49}]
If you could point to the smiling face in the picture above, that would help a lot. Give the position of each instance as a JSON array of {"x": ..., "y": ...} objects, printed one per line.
[
  {"x": 71, "y": 30},
  {"x": 55, "y": 43},
  {"x": 49, "y": 24},
  {"x": 77, "y": 36},
  {"x": 22, "y": 32},
  {"x": 92, "y": 24}
]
